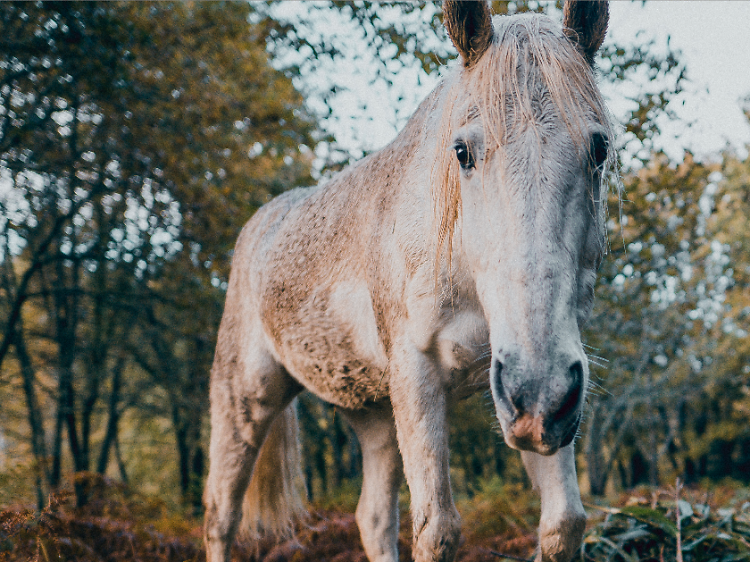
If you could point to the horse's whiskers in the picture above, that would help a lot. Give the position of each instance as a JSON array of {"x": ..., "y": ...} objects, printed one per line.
[
  {"x": 597, "y": 357},
  {"x": 597, "y": 389}
]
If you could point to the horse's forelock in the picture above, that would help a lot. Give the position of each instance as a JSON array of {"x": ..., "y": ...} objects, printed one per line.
[{"x": 528, "y": 52}]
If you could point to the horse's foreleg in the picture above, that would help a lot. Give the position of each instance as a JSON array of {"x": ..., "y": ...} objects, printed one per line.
[
  {"x": 419, "y": 407},
  {"x": 377, "y": 510},
  {"x": 563, "y": 520}
]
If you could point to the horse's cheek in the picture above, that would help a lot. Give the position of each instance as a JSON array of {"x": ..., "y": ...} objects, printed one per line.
[
  {"x": 586, "y": 280},
  {"x": 476, "y": 234}
]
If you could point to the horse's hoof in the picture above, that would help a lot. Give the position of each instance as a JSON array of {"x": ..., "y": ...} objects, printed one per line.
[{"x": 560, "y": 544}]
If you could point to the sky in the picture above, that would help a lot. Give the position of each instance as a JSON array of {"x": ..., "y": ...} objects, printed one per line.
[{"x": 713, "y": 36}]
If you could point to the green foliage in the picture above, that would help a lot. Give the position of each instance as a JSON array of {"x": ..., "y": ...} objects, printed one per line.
[
  {"x": 660, "y": 78},
  {"x": 478, "y": 452},
  {"x": 669, "y": 322},
  {"x": 397, "y": 48},
  {"x": 330, "y": 451},
  {"x": 16, "y": 480},
  {"x": 499, "y": 509}
]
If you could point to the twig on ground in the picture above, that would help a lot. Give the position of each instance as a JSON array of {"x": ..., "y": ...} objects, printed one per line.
[
  {"x": 509, "y": 556},
  {"x": 677, "y": 488}
]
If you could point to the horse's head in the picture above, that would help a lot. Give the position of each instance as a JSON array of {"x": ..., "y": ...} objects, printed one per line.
[{"x": 528, "y": 140}]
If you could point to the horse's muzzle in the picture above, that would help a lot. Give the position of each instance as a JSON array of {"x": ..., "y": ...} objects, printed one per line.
[{"x": 539, "y": 414}]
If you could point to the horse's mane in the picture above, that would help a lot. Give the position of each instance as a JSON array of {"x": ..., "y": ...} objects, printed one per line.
[{"x": 527, "y": 51}]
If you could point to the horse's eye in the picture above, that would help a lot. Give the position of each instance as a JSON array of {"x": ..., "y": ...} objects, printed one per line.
[
  {"x": 599, "y": 150},
  {"x": 465, "y": 158}
]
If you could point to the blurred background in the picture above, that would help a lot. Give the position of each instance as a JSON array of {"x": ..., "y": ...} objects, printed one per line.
[{"x": 137, "y": 138}]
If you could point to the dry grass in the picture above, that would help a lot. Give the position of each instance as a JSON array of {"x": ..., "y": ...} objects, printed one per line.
[{"x": 118, "y": 526}]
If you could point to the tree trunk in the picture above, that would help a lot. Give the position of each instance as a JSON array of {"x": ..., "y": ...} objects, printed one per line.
[
  {"x": 190, "y": 457},
  {"x": 597, "y": 475},
  {"x": 102, "y": 335},
  {"x": 596, "y": 465},
  {"x": 36, "y": 422},
  {"x": 66, "y": 311},
  {"x": 113, "y": 417}
]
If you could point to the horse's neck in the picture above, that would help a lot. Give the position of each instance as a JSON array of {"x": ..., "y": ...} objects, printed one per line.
[
  {"x": 384, "y": 203},
  {"x": 395, "y": 179}
]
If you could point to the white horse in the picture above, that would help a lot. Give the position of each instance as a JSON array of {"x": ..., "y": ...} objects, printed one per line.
[{"x": 462, "y": 255}]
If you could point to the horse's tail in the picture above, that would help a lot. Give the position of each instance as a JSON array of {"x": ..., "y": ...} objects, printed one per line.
[{"x": 273, "y": 501}]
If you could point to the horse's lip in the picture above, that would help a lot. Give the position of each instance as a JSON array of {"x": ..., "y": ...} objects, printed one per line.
[
  {"x": 527, "y": 433},
  {"x": 524, "y": 444}
]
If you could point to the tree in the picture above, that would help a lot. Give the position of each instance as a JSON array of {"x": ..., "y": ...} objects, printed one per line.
[
  {"x": 671, "y": 311},
  {"x": 136, "y": 140},
  {"x": 647, "y": 290}
]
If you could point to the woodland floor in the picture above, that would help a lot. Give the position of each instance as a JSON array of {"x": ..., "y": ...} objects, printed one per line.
[
  {"x": 117, "y": 526},
  {"x": 62, "y": 533}
]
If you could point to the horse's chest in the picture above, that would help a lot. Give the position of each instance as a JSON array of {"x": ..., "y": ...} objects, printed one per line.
[
  {"x": 462, "y": 353},
  {"x": 330, "y": 340},
  {"x": 328, "y": 364}
]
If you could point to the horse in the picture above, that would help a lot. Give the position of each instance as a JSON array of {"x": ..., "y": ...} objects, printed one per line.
[{"x": 460, "y": 257}]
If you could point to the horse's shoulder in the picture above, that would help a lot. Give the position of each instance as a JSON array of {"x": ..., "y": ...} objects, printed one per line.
[
  {"x": 275, "y": 211},
  {"x": 259, "y": 231}
]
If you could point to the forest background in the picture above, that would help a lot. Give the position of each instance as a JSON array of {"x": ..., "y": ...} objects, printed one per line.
[{"x": 137, "y": 138}]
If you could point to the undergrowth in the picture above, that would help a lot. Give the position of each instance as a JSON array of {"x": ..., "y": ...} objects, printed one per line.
[
  {"x": 664, "y": 525},
  {"x": 117, "y": 525}
]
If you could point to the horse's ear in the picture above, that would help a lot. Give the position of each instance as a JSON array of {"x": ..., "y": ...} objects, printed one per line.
[
  {"x": 586, "y": 24},
  {"x": 469, "y": 25}
]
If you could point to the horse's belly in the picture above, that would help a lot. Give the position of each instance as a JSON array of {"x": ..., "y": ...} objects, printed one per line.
[
  {"x": 330, "y": 344},
  {"x": 327, "y": 365}
]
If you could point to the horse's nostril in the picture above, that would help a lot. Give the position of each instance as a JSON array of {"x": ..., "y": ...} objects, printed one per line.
[
  {"x": 576, "y": 372},
  {"x": 496, "y": 378},
  {"x": 498, "y": 386},
  {"x": 573, "y": 396}
]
